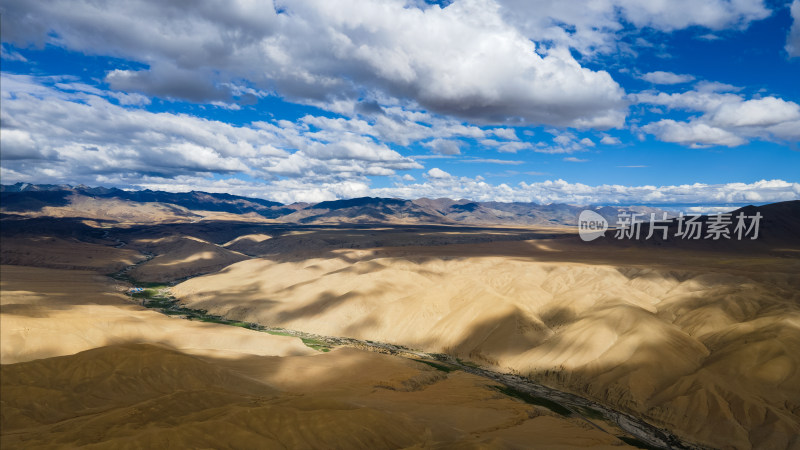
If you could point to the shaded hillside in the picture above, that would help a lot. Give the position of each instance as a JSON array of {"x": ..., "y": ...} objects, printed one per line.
[
  {"x": 777, "y": 226},
  {"x": 33, "y": 200},
  {"x": 20, "y": 197},
  {"x": 366, "y": 210}
]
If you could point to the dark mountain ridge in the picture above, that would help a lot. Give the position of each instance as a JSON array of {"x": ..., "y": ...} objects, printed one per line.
[{"x": 21, "y": 197}]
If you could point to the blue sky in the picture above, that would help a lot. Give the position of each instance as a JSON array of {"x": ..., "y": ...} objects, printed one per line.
[{"x": 611, "y": 101}]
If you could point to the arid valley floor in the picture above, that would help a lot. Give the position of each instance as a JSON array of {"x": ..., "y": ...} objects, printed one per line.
[{"x": 701, "y": 342}]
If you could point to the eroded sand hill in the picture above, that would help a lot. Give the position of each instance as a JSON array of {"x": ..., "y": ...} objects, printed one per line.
[
  {"x": 710, "y": 349},
  {"x": 179, "y": 257},
  {"x": 82, "y": 366},
  {"x": 49, "y": 312}
]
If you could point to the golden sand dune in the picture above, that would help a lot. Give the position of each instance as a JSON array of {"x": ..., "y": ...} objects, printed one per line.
[
  {"x": 181, "y": 257},
  {"x": 48, "y": 312},
  {"x": 84, "y": 367},
  {"x": 710, "y": 353},
  {"x": 247, "y": 239}
]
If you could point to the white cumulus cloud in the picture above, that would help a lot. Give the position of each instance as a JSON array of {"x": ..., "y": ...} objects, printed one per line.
[
  {"x": 444, "y": 146},
  {"x": 437, "y": 173},
  {"x": 78, "y": 134},
  {"x": 693, "y": 133},
  {"x": 793, "y": 40},
  {"x": 560, "y": 191},
  {"x": 464, "y": 60},
  {"x": 592, "y": 26},
  {"x": 727, "y": 118},
  {"x": 660, "y": 77}
]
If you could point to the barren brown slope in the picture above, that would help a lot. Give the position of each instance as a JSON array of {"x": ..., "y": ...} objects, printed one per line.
[
  {"x": 120, "y": 211},
  {"x": 140, "y": 395},
  {"x": 66, "y": 253},
  {"x": 117, "y": 210},
  {"x": 704, "y": 344}
]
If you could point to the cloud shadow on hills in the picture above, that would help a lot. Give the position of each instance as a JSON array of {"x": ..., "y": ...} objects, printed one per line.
[{"x": 424, "y": 243}]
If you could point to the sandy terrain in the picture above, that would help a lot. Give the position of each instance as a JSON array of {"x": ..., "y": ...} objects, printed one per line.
[
  {"x": 49, "y": 312},
  {"x": 129, "y": 212},
  {"x": 702, "y": 339},
  {"x": 118, "y": 210},
  {"x": 84, "y": 367},
  {"x": 704, "y": 344},
  {"x": 180, "y": 257},
  {"x": 139, "y": 395}
]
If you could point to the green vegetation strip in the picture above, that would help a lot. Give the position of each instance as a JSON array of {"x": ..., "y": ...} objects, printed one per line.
[
  {"x": 440, "y": 367},
  {"x": 156, "y": 297},
  {"x": 636, "y": 443},
  {"x": 592, "y": 413},
  {"x": 316, "y": 344},
  {"x": 468, "y": 363},
  {"x": 533, "y": 400}
]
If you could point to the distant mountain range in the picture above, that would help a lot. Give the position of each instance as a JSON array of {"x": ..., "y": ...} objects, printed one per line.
[{"x": 22, "y": 197}]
